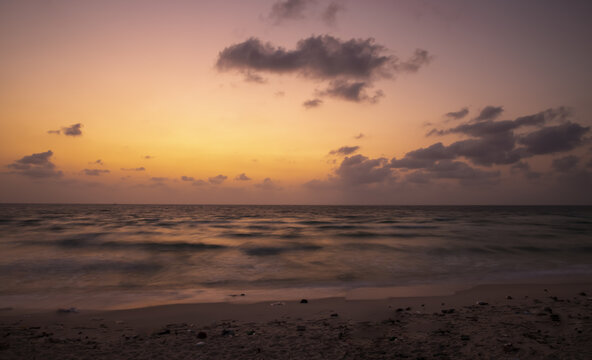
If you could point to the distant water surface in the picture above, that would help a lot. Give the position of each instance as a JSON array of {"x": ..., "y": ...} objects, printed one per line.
[{"x": 83, "y": 252}]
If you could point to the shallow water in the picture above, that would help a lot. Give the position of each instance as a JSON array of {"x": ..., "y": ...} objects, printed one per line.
[{"x": 87, "y": 251}]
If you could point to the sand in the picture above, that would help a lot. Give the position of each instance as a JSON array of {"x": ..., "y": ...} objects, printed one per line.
[{"x": 534, "y": 321}]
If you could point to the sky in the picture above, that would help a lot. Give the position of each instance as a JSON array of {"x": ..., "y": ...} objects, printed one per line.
[{"x": 402, "y": 102}]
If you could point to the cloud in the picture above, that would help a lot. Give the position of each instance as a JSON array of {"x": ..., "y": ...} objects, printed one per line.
[
  {"x": 141, "y": 168},
  {"x": 242, "y": 177},
  {"x": 495, "y": 142},
  {"x": 457, "y": 115},
  {"x": 318, "y": 57},
  {"x": 419, "y": 59},
  {"x": 359, "y": 136},
  {"x": 313, "y": 103},
  {"x": 56, "y": 132},
  {"x": 423, "y": 157},
  {"x": 552, "y": 139},
  {"x": 489, "y": 113},
  {"x": 158, "y": 179},
  {"x": 98, "y": 162},
  {"x": 267, "y": 184},
  {"x": 351, "y": 66},
  {"x": 95, "y": 172},
  {"x": 73, "y": 130},
  {"x": 351, "y": 91},
  {"x": 35, "y": 166},
  {"x": 360, "y": 170},
  {"x": 288, "y": 10},
  {"x": 566, "y": 163},
  {"x": 148, "y": 157},
  {"x": 217, "y": 180},
  {"x": 199, "y": 182},
  {"x": 447, "y": 169},
  {"x": 254, "y": 78},
  {"x": 329, "y": 15},
  {"x": 187, "y": 178},
  {"x": 344, "y": 150}
]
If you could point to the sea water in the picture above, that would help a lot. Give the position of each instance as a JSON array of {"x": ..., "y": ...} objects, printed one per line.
[{"x": 117, "y": 256}]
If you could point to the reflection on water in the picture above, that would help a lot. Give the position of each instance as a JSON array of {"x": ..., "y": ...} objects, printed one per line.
[{"x": 93, "y": 249}]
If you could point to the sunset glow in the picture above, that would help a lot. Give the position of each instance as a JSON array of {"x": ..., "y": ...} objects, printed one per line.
[{"x": 170, "y": 95}]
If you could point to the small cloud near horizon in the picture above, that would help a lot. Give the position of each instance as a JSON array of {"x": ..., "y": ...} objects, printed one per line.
[
  {"x": 72, "y": 130},
  {"x": 36, "y": 165},
  {"x": 218, "y": 179},
  {"x": 344, "y": 150},
  {"x": 242, "y": 177},
  {"x": 95, "y": 172},
  {"x": 141, "y": 168}
]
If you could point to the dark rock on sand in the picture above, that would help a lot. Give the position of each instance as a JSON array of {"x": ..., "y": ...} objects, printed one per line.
[
  {"x": 304, "y": 301},
  {"x": 71, "y": 310},
  {"x": 228, "y": 332},
  {"x": 202, "y": 335}
]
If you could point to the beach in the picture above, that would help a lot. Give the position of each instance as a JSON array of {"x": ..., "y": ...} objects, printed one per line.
[{"x": 511, "y": 321}]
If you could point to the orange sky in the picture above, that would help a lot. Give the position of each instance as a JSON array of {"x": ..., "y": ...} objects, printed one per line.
[{"x": 141, "y": 79}]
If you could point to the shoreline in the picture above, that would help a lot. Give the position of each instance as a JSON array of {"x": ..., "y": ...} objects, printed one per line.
[
  {"x": 545, "y": 320},
  {"x": 111, "y": 300}
]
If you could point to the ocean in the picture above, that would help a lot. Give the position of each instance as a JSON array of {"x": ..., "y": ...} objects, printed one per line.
[{"x": 120, "y": 256}]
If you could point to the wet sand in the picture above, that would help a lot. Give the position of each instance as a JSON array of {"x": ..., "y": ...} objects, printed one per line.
[{"x": 534, "y": 321}]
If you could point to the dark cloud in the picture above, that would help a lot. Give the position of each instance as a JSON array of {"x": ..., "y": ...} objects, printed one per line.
[
  {"x": 288, "y": 10},
  {"x": 187, "y": 178},
  {"x": 98, "y": 162},
  {"x": 36, "y": 166},
  {"x": 360, "y": 170},
  {"x": 495, "y": 142},
  {"x": 313, "y": 103},
  {"x": 359, "y": 136},
  {"x": 56, "y": 132},
  {"x": 489, "y": 113},
  {"x": 254, "y": 78},
  {"x": 566, "y": 163},
  {"x": 457, "y": 115},
  {"x": 423, "y": 157},
  {"x": 158, "y": 179},
  {"x": 344, "y": 150},
  {"x": 134, "y": 169},
  {"x": 319, "y": 57},
  {"x": 329, "y": 15},
  {"x": 242, "y": 177},
  {"x": 524, "y": 168},
  {"x": 419, "y": 59},
  {"x": 148, "y": 157},
  {"x": 351, "y": 91},
  {"x": 95, "y": 172},
  {"x": 267, "y": 184},
  {"x": 457, "y": 170},
  {"x": 350, "y": 65},
  {"x": 73, "y": 130},
  {"x": 552, "y": 139},
  {"x": 199, "y": 182},
  {"x": 217, "y": 180},
  {"x": 520, "y": 166}
]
